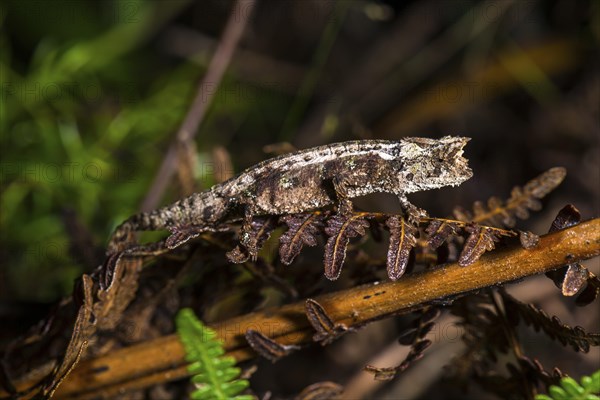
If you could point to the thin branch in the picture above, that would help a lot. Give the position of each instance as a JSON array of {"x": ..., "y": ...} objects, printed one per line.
[
  {"x": 162, "y": 359},
  {"x": 189, "y": 127},
  {"x": 527, "y": 386}
]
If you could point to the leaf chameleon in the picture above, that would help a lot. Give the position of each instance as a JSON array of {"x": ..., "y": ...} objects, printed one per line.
[{"x": 308, "y": 180}]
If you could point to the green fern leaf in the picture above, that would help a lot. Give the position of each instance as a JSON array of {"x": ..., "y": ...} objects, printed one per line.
[
  {"x": 214, "y": 374},
  {"x": 592, "y": 384},
  {"x": 570, "y": 389}
]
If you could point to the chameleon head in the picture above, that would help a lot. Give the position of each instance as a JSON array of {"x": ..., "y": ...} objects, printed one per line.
[{"x": 433, "y": 163}]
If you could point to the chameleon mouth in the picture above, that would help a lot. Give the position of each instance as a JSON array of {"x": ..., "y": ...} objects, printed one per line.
[
  {"x": 456, "y": 151},
  {"x": 461, "y": 162}
]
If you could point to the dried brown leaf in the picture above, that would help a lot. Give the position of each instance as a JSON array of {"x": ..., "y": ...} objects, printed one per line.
[
  {"x": 402, "y": 240},
  {"x": 112, "y": 301},
  {"x": 528, "y": 240},
  {"x": 545, "y": 183},
  {"x": 261, "y": 229},
  {"x": 575, "y": 279},
  {"x": 480, "y": 240},
  {"x": 527, "y": 198},
  {"x": 98, "y": 302},
  {"x": 267, "y": 347},
  {"x": 577, "y": 337},
  {"x": 327, "y": 330},
  {"x": 389, "y": 373},
  {"x": 340, "y": 230},
  {"x": 534, "y": 369},
  {"x": 78, "y": 342},
  {"x": 591, "y": 291},
  {"x": 302, "y": 230},
  {"x": 521, "y": 200},
  {"x": 572, "y": 278},
  {"x": 568, "y": 216},
  {"x": 413, "y": 337},
  {"x": 439, "y": 230}
]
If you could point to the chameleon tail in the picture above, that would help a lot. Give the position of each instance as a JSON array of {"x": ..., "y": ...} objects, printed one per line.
[
  {"x": 123, "y": 237},
  {"x": 201, "y": 209}
]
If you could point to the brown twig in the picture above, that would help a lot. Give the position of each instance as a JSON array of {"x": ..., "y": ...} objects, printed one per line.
[
  {"x": 162, "y": 359},
  {"x": 246, "y": 64},
  {"x": 216, "y": 69},
  {"x": 527, "y": 387}
]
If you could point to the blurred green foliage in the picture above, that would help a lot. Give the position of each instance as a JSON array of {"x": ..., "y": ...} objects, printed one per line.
[
  {"x": 88, "y": 108},
  {"x": 570, "y": 389}
]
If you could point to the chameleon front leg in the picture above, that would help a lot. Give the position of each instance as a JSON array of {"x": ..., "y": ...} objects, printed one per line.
[
  {"x": 344, "y": 204},
  {"x": 248, "y": 242},
  {"x": 248, "y": 238},
  {"x": 413, "y": 212}
]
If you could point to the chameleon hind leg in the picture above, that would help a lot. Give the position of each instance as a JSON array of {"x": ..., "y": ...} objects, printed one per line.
[
  {"x": 134, "y": 250},
  {"x": 121, "y": 260},
  {"x": 248, "y": 238},
  {"x": 167, "y": 219},
  {"x": 124, "y": 236},
  {"x": 185, "y": 219},
  {"x": 412, "y": 212},
  {"x": 114, "y": 264},
  {"x": 182, "y": 234}
]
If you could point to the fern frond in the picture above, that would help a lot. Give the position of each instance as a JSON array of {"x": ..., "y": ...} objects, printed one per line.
[
  {"x": 521, "y": 201},
  {"x": 577, "y": 337},
  {"x": 214, "y": 375},
  {"x": 570, "y": 389}
]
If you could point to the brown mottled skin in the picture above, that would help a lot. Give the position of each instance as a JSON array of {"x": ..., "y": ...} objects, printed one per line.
[{"x": 311, "y": 179}]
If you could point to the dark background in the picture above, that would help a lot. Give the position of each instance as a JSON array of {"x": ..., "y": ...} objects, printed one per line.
[{"x": 94, "y": 91}]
